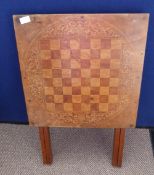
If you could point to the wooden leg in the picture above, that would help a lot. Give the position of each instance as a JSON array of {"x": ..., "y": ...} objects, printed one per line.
[
  {"x": 118, "y": 145},
  {"x": 45, "y": 145}
]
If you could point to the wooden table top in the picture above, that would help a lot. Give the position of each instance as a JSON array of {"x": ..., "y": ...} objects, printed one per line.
[{"x": 81, "y": 70}]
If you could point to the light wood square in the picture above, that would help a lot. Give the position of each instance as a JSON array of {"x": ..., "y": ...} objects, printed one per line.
[
  {"x": 85, "y": 90},
  {"x": 76, "y": 98},
  {"x": 76, "y": 82},
  {"x": 85, "y": 73},
  {"x": 58, "y": 99},
  {"x": 113, "y": 98},
  {"x": 85, "y": 53},
  {"x": 65, "y": 54},
  {"x": 45, "y": 54},
  {"x": 74, "y": 44},
  {"x": 95, "y": 82},
  {"x": 103, "y": 107},
  {"x": 50, "y": 107},
  {"x": 105, "y": 53},
  {"x": 55, "y": 44},
  {"x": 67, "y": 90},
  {"x": 115, "y": 63},
  {"x": 66, "y": 73},
  {"x": 85, "y": 107},
  {"x": 75, "y": 64},
  {"x": 116, "y": 44},
  {"x": 94, "y": 98},
  {"x": 95, "y": 43},
  {"x": 56, "y": 64},
  {"x": 48, "y": 91},
  {"x": 104, "y": 73},
  {"x": 114, "y": 82},
  {"x": 47, "y": 73},
  {"x": 104, "y": 90},
  {"x": 68, "y": 107},
  {"x": 95, "y": 63},
  {"x": 57, "y": 82}
]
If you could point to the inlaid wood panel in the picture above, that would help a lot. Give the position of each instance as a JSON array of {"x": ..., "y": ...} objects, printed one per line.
[{"x": 82, "y": 70}]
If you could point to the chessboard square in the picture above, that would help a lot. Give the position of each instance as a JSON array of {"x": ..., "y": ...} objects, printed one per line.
[
  {"x": 57, "y": 73},
  {"x": 105, "y": 73},
  {"x": 113, "y": 90},
  {"x": 76, "y": 107},
  {"x": 114, "y": 82},
  {"x": 114, "y": 73},
  {"x": 85, "y": 81},
  {"x": 106, "y": 44},
  {"x": 95, "y": 63},
  {"x": 75, "y": 54},
  {"x": 64, "y": 43},
  {"x": 85, "y": 90},
  {"x": 76, "y": 82},
  {"x": 44, "y": 44},
  {"x": 95, "y": 43},
  {"x": 85, "y": 53},
  {"x": 66, "y": 64},
  {"x": 50, "y": 107},
  {"x": 46, "y": 64},
  {"x": 58, "y": 99},
  {"x": 104, "y": 90},
  {"x": 113, "y": 98},
  {"x": 85, "y": 73},
  {"x": 75, "y": 73},
  {"x": 74, "y": 44},
  {"x": 85, "y": 107},
  {"x": 85, "y": 63},
  {"x": 56, "y": 64},
  {"x": 95, "y": 73},
  {"x": 59, "y": 107},
  {"x": 116, "y": 53},
  {"x": 94, "y": 107},
  {"x": 55, "y": 54},
  {"x": 75, "y": 63},
  {"x": 47, "y": 73},
  {"x": 47, "y": 82},
  {"x": 105, "y": 63},
  {"x": 65, "y": 54},
  {"x": 76, "y": 90},
  {"x": 94, "y": 90},
  {"x": 55, "y": 44},
  {"x": 94, "y": 98},
  {"x": 67, "y": 90},
  {"x": 105, "y": 53},
  {"x": 76, "y": 98},
  {"x": 85, "y": 99},
  {"x": 67, "y": 98},
  {"x": 103, "y": 99},
  {"x": 66, "y": 73},
  {"x": 45, "y": 54},
  {"x": 66, "y": 82},
  {"x": 95, "y": 82},
  {"x": 68, "y": 107},
  {"x": 104, "y": 82},
  {"x": 103, "y": 107},
  {"x": 95, "y": 53},
  {"x": 116, "y": 44},
  {"x": 58, "y": 91},
  {"x": 48, "y": 91},
  {"x": 84, "y": 43},
  {"x": 115, "y": 63},
  {"x": 49, "y": 98},
  {"x": 57, "y": 82}
]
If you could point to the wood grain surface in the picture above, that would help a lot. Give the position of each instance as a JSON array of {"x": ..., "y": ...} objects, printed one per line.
[{"x": 82, "y": 70}]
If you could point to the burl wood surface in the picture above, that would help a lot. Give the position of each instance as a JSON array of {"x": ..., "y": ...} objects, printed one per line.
[{"x": 82, "y": 70}]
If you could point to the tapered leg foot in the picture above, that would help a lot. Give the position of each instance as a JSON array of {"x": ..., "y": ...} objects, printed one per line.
[
  {"x": 118, "y": 145},
  {"x": 45, "y": 145}
]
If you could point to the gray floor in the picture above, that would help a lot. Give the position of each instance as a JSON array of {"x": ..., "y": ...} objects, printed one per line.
[{"x": 76, "y": 152}]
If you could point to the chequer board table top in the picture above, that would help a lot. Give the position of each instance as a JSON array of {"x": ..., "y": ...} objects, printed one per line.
[{"x": 82, "y": 70}]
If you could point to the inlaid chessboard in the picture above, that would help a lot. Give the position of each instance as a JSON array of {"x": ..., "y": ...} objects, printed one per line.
[{"x": 82, "y": 70}]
